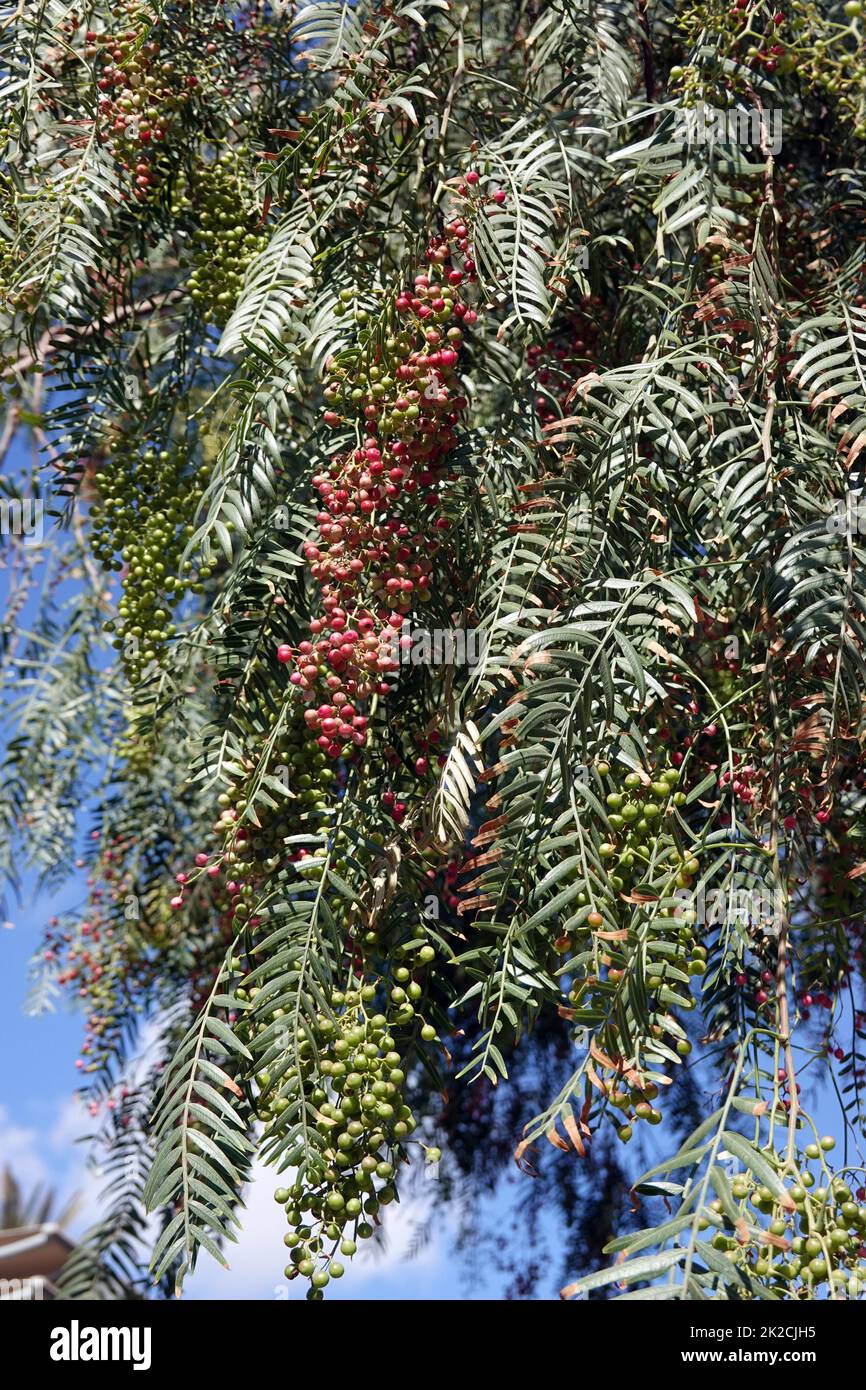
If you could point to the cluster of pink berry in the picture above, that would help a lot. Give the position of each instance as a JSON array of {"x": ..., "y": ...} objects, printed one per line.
[
  {"x": 373, "y": 565},
  {"x": 739, "y": 781}
]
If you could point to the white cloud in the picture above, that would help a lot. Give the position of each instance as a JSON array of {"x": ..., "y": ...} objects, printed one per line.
[
  {"x": 258, "y": 1259},
  {"x": 50, "y": 1158},
  {"x": 71, "y": 1123},
  {"x": 21, "y": 1150}
]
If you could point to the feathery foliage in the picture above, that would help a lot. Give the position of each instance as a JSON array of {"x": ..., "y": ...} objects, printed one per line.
[{"x": 448, "y": 627}]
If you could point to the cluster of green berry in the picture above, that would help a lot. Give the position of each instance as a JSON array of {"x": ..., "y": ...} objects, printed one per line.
[
  {"x": 8, "y": 254},
  {"x": 227, "y": 237},
  {"x": 830, "y": 1243},
  {"x": 637, "y": 1101},
  {"x": 644, "y": 863},
  {"x": 637, "y": 813},
  {"x": 357, "y": 1092},
  {"x": 140, "y": 528},
  {"x": 296, "y": 762}
]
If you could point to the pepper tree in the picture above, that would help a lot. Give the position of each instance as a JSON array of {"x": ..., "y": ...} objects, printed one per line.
[{"x": 335, "y": 324}]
